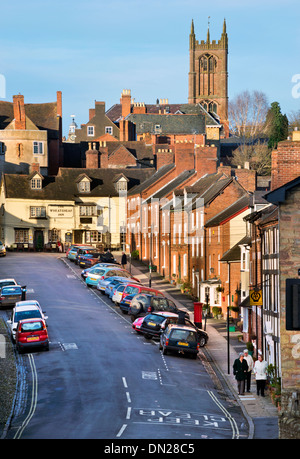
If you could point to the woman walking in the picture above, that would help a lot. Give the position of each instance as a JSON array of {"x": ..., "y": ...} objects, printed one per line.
[{"x": 261, "y": 373}]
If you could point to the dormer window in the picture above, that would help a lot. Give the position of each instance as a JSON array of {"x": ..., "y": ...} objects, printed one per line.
[
  {"x": 84, "y": 186},
  {"x": 83, "y": 183},
  {"x": 36, "y": 183},
  {"x": 121, "y": 183}
]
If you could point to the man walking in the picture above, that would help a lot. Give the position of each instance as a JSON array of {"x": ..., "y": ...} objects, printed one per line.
[
  {"x": 250, "y": 363},
  {"x": 123, "y": 260},
  {"x": 240, "y": 368}
]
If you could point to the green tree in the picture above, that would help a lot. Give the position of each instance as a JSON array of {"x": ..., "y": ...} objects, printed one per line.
[{"x": 276, "y": 125}]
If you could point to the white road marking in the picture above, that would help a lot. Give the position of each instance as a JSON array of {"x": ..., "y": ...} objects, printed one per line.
[
  {"x": 121, "y": 430},
  {"x": 124, "y": 382}
]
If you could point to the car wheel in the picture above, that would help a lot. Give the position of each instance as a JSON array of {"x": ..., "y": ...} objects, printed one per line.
[
  {"x": 137, "y": 308},
  {"x": 160, "y": 346},
  {"x": 147, "y": 336},
  {"x": 132, "y": 318},
  {"x": 165, "y": 350},
  {"x": 202, "y": 341},
  {"x": 194, "y": 356},
  {"x": 125, "y": 312}
]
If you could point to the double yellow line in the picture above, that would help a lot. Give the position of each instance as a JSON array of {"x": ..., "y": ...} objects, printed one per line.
[
  {"x": 33, "y": 398},
  {"x": 234, "y": 427}
]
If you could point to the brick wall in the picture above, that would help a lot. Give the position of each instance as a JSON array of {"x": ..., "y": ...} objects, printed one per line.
[{"x": 285, "y": 163}]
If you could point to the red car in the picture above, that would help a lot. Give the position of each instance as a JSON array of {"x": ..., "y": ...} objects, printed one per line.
[{"x": 32, "y": 333}]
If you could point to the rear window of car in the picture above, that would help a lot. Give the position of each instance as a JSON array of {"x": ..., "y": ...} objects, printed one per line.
[
  {"x": 11, "y": 290},
  {"x": 32, "y": 326},
  {"x": 131, "y": 290},
  {"x": 159, "y": 303},
  {"x": 3, "y": 284},
  {"x": 21, "y": 315},
  {"x": 183, "y": 335},
  {"x": 155, "y": 318}
]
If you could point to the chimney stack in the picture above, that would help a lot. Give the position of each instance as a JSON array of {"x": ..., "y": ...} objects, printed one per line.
[
  {"x": 19, "y": 112},
  {"x": 126, "y": 102}
]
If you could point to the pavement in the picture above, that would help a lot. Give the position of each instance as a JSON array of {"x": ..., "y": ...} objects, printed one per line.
[{"x": 261, "y": 414}]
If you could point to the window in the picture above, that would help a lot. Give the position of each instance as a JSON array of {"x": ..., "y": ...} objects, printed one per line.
[
  {"x": 90, "y": 131},
  {"x": 87, "y": 211},
  {"x": 84, "y": 186},
  {"x": 21, "y": 236},
  {"x": 121, "y": 185},
  {"x": 108, "y": 130},
  {"x": 37, "y": 212},
  {"x": 36, "y": 184},
  {"x": 93, "y": 236},
  {"x": 2, "y": 151},
  {"x": 38, "y": 148},
  {"x": 54, "y": 235}
]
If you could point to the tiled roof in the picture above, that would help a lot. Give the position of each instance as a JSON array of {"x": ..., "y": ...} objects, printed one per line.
[
  {"x": 64, "y": 185},
  {"x": 168, "y": 124}
]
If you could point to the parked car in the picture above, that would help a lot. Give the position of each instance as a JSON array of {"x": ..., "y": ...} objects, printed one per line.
[
  {"x": 35, "y": 303},
  {"x": 2, "y": 249},
  {"x": 4, "y": 282},
  {"x": 122, "y": 282},
  {"x": 10, "y": 294},
  {"x": 97, "y": 274},
  {"x": 82, "y": 252},
  {"x": 74, "y": 251},
  {"x": 119, "y": 273},
  {"x": 117, "y": 293},
  {"x": 133, "y": 289},
  {"x": 88, "y": 260},
  {"x": 154, "y": 323},
  {"x": 179, "y": 338},
  {"x": 114, "y": 281},
  {"x": 85, "y": 272},
  {"x": 142, "y": 304},
  {"x": 28, "y": 311},
  {"x": 72, "y": 247},
  {"x": 125, "y": 302},
  {"x": 31, "y": 333}
]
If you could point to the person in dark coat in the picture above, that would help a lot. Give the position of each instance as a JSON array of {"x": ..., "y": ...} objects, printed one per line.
[
  {"x": 240, "y": 368},
  {"x": 123, "y": 260}
]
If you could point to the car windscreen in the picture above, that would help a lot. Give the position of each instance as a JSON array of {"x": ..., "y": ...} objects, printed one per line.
[
  {"x": 32, "y": 326},
  {"x": 130, "y": 290},
  {"x": 97, "y": 271},
  {"x": 31, "y": 314},
  {"x": 183, "y": 335},
  {"x": 11, "y": 291}
]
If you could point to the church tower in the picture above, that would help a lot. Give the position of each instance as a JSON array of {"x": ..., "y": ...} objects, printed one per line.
[{"x": 208, "y": 75}]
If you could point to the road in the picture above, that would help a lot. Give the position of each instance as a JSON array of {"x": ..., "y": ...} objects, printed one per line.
[{"x": 100, "y": 379}]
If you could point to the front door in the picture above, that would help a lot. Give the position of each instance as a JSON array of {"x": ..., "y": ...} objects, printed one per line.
[{"x": 38, "y": 240}]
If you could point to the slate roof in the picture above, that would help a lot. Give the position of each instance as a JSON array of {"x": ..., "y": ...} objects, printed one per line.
[
  {"x": 151, "y": 180},
  {"x": 172, "y": 185},
  {"x": 115, "y": 112},
  {"x": 64, "y": 185},
  {"x": 169, "y": 124},
  {"x": 230, "y": 211},
  {"x": 234, "y": 254}
]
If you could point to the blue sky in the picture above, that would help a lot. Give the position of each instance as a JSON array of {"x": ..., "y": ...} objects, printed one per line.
[{"x": 93, "y": 50}]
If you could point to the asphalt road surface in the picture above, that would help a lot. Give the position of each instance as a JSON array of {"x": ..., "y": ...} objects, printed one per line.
[{"x": 100, "y": 380}]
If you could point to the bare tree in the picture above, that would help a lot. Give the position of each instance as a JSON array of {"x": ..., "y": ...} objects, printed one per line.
[
  {"x": 247, "y": 115},
  {"x": 258, "y": 155}
]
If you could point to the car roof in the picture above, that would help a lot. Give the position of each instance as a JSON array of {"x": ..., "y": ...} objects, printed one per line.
[
  {"x": 183, "y": 327},
  {"x": 11, "y": 286},
  {"x": 164, "y": 314},
  {"x": 8, "y": 279},
  {"x": 31, "y": 307},
  {"x": 27, "y": 302},
  {"x": 34, "y": 319}
]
